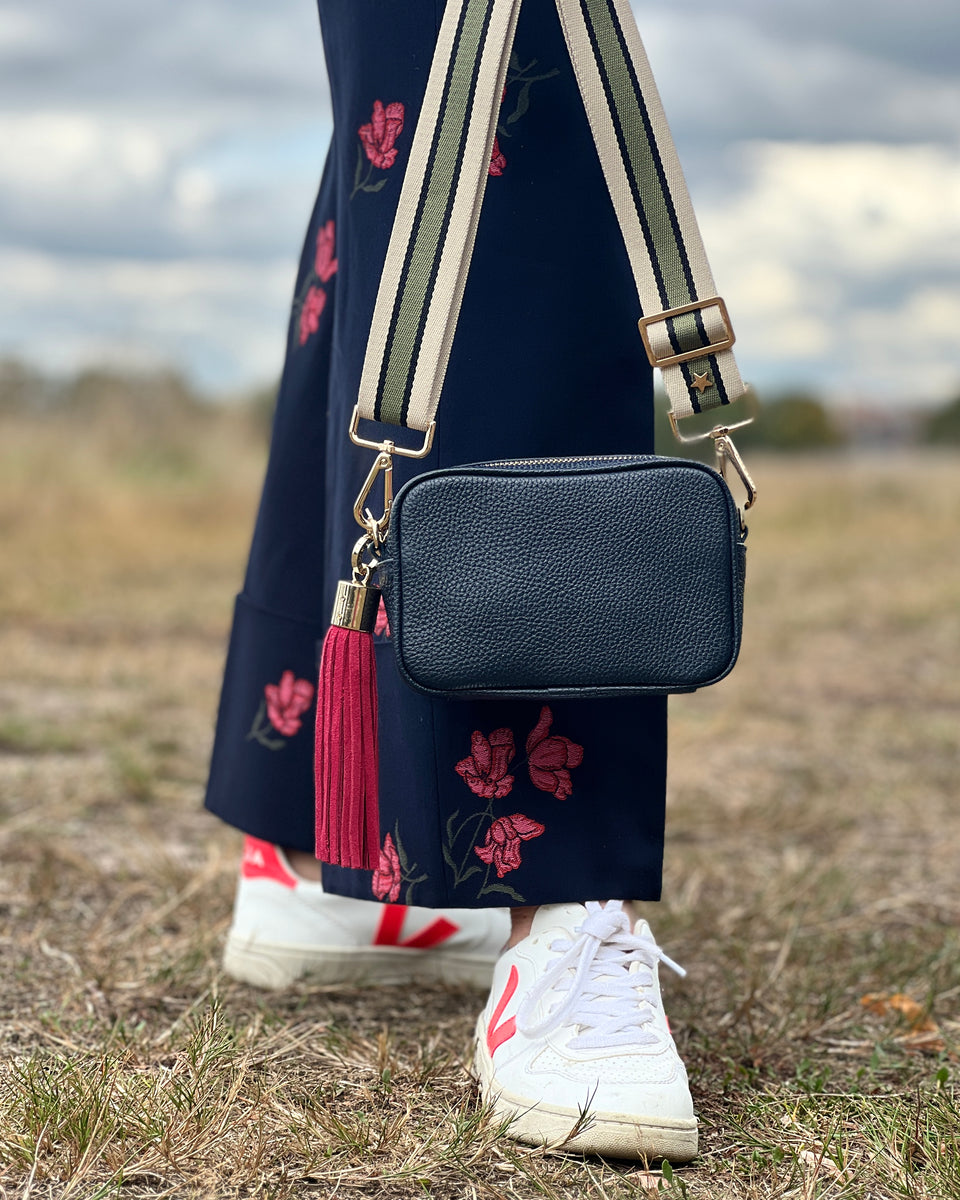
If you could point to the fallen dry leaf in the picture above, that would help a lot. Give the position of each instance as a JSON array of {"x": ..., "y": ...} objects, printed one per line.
[
  {"x": 924, "y": 1032},
  {"x": 819, "y": 1162},
  {"x": 882, "y": 1003}
]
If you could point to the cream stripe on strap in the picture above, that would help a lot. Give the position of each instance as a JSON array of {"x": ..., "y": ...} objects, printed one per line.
[
  {"x": 652, "y": 204},
  {"x": 428, "y": 256},
  {"x": 684, "y": 326}
]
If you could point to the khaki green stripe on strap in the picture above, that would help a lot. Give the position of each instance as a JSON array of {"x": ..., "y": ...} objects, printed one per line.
[
  {"x": 641, "y": 157},
  {"x": 410, "y": 312},
  {"x": 433, "y": 234},
  {"x": 651, "y": 200}
]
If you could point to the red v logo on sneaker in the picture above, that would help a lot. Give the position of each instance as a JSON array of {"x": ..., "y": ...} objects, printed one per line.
[
  {"x": 432, "y": 935},
  {"x": 260, "y": 860},
  {"x": 498, "y": 1034},
  {"x": 391, "y": 922}
]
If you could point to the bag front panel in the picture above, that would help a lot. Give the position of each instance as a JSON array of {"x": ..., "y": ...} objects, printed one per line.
[{"x": 565, "y": 580}]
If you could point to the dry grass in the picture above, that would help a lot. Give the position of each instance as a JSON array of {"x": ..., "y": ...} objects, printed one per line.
[{"x": 812, "y": 859}]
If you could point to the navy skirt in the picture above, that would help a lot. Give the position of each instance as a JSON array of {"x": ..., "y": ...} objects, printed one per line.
[{"x": 482, "y": 802}]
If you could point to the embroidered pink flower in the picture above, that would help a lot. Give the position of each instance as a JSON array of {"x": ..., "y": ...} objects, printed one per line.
[
  {"x": 497, "y": 159},
  {"x": 286, "y": 701},
  {"x": 380, "y": 133},
  {"x": 313, "y": 304},
  {"x": 551, "y": 758},
  {"x": 502, "y": 845},
  {"x": 485, "y": 771},
  {"x": 382, "y": 625},
  {"x": 325, "y": 265},
  {"x": 387, "y": 876}
]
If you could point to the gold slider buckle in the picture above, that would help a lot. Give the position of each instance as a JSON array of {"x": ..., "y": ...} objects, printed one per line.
[
  {"x": 726, "y": 452},
  {"x": 670, "y": 360},
  {"x": 388, "y": 446}
]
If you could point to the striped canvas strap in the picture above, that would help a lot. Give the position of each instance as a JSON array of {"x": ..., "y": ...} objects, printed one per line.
[{"x": 685, "y": 327}]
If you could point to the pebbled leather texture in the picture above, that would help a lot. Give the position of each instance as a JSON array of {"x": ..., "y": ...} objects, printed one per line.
[{"x": 553, "y": 578}]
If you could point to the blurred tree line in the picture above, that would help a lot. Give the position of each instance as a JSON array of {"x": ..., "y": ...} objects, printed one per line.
[
  {"x": 156, "y": 404},
  {"x": 152, "y": 426},
  {"x": 163, "y": 407},
  {"x": 943, "y": 426},
  {"x": 797, "y": 422}
]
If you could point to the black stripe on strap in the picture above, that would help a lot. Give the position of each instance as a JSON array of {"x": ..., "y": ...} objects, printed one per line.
[{"x": 449, "y": 83}]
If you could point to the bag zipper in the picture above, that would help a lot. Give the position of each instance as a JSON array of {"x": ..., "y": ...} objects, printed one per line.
[{"x": 519, "y": 462}]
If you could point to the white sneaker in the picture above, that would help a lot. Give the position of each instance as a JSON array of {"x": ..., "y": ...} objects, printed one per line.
[
  {"x": 575, "y": 1025},
  {"x": 285, "y": 927}
]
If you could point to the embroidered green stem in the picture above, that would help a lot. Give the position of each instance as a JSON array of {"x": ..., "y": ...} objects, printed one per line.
[
  {"x": 261, "y": 728},
  {"x": 406, "y": 869},
  {"x": 364, "y": 184},
  {"x": 499, "y": 887},
  {"x": 518, "y": 74},
  {"x": 466, "y": 868}
]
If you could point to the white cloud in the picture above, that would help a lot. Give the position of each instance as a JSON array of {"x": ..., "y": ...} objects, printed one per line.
[
  {"x": 859, "y": 208},
  {"x": 922, "y": 33},
  {"x": 48, "y": 154},
  {"x": 843, "y": 263},
  {"x": 913, "y": 345},
  {"x": 224, "y": 319},
  {"x": 158, "y": 165},
  {"x": 743, "y": 78},
  {"x": 22, "y": 30}
]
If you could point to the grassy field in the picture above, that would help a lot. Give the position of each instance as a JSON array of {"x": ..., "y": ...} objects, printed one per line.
[{"x": 811, "y": 873}]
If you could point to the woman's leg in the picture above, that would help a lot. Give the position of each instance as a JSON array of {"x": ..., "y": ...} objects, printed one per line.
[{"x": 482, "y": 803}]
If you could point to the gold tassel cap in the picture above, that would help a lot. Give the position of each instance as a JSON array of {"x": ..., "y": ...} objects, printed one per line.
[{"x": 356, "y": 606}]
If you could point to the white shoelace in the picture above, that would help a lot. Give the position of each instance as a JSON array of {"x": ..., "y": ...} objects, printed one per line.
[{"x": 605, "y": 997}]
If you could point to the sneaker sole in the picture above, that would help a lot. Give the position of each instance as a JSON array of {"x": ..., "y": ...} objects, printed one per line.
[
  {"x": 276, "y": 966},
  {"x": 611, "y": 1134}
]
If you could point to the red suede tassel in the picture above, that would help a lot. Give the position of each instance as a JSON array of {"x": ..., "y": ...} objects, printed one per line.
[{"x": 347, "y": 759}]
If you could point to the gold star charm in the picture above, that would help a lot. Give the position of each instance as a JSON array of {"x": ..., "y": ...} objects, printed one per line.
[{"x": 702, "y": 382}]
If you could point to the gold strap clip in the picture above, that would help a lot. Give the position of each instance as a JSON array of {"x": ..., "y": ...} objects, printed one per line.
[
  {"x": 376, "y": 527},
  {"x": 726, "y": 452}
]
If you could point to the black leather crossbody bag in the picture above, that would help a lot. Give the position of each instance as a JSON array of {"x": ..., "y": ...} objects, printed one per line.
[{"x": 573, "y": 577}]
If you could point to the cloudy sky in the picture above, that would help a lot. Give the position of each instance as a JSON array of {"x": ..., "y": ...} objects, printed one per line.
[{"x": 158, "y": 164}]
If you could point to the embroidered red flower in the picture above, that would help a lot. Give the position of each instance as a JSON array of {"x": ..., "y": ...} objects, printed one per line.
[
  {"x": 502, "y": 845},
  {"x": 550, "y": 758},
  {"x": 380, "y": 133},
  {"x": 382, "y": 625},
  {"x": 497, "y": 159},
  {"x": 313, "y": 304},
  {"x": 485, "y": 771},
  {"x": 286, "y": 700},
  {"x": 325, "y": 265},
  {"x": 387, "y": 877}
]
